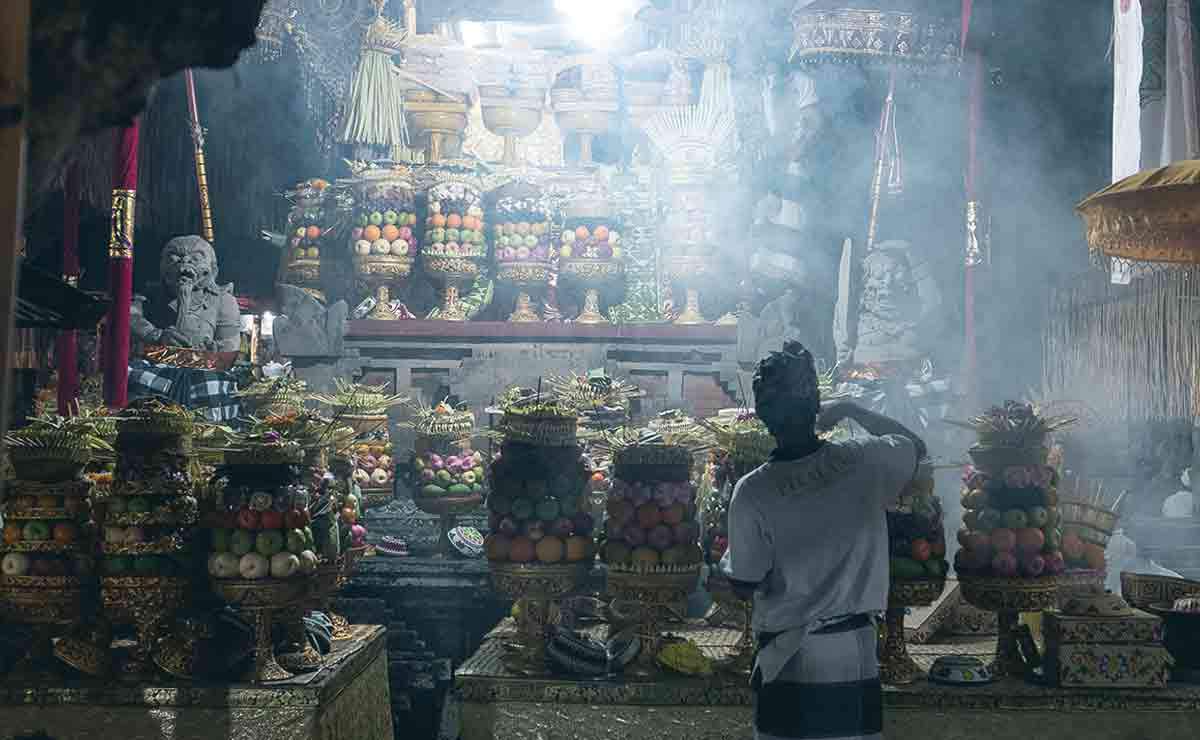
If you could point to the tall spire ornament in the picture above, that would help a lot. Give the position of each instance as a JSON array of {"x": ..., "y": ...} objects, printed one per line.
[{"x": 375, "y": 106}]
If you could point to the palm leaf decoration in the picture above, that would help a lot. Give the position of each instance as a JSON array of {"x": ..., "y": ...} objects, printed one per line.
[
  {"x": 1014, "y": 424},
  {"x": 355, "y": 399}
]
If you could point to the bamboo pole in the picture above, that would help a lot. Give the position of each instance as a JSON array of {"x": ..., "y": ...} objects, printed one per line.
[
  {"x": 206, "y": 219},
  {"x": 14, "y": 93}
]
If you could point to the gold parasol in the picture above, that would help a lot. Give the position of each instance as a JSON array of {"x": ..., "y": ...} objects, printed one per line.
[{"x": 1153, "y": 216}]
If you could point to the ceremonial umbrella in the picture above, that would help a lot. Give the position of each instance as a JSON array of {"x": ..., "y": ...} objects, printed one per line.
[{"x": 1153, "y": 216}]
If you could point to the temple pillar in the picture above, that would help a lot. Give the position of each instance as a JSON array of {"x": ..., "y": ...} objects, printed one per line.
[{"x": 120, "y": 268}]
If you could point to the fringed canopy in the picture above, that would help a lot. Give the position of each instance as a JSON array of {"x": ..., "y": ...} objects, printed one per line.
[{"x": 1131, "y": 353}]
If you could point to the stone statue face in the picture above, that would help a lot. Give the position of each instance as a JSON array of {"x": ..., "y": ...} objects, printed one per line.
[
  {"x": 188, "y": 260},
  {"x": 889, "y": 290}
]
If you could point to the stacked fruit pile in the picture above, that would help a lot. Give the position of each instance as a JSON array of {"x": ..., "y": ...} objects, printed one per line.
[
  {"x": 741, "y": 444},
  {"x": 537, "y": 510},
  {"x": 916, "y": 536},
  {"x": 455, "y": 226},
  {"x": 443, "y": 463},
  {"x": 1010, "y": 524},
  {"x": 385, "y": 221},
  {"x": 523, "y": 232},
  {"x": 590, "y": 241},
  {"x": 373, "y": 464},
  {"x": 308, "y": 221},
  {"x": 652, "y": 519},
  {"x": 262, "y": 527},
  {"x": 149, "y": 516},
  {"x": 44, "y": 529}
]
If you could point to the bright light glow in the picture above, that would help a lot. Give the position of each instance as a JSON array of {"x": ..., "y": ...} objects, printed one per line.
[
  {"x": 473, "y": 33},
  {"x": 268, "y": 323},
  {"x": 598, "y": 22}
]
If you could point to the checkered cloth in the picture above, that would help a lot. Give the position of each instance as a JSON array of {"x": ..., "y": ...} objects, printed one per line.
[{"x": 208, "y": 392}]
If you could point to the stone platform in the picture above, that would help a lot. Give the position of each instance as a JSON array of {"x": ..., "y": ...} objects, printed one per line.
[{"x": 497, "y": 704}]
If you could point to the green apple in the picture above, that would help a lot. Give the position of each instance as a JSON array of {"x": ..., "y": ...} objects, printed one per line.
[
  {"x": 220, "y": 540},
  {"x": 241, "y": 542},
  {"x": 376, "y": 218},
  {"x": 390, "y": 217},
  {"x": 269, "y": 542},
  {"x": 139, "y": 505},
  {"x": 296, "y": 542},
  {"x": 308, "y": 537},
  {"x": 36, "y": 531},
  {"x": 284, "y": 565}
]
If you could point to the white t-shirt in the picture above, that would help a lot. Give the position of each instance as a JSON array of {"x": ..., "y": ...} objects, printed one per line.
[{"x": 813, "y": 531}]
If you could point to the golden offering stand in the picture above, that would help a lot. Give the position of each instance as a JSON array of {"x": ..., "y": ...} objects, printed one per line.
[
  {"x": 347, "y": 562},
  {"x": 653, "y": 593},
  {"x": 262, "y": 600},
  {"x": 688, "y": 271},
  {"x": 529, "y": 280},
  {"x": 723, "y": 594},
  {"x": 587, "y": 118},
  {"x": 448, "y": 510},
  {"x": 594, "y": 276},
  {"x": 51, "y": 605},
  {"x": 437, "y": 122},
  {"x": 380, "y": 274},
  {"x": 535, "y": 588},
  {"x": 1009, "y": 598},
  {"x": 895, "y": 665},
  {"x": 148, "y": 604},
  {"x": 455, "y": 273},
  {"x": 513, "y": 113}
]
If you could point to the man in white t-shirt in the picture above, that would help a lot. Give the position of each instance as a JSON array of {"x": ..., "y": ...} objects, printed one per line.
[{"x": 808, "y": 538}]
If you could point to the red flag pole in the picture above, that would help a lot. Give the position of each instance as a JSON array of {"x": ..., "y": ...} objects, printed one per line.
[
  {"x": 66, "y": 350},
  {"x": 974, "y": 253},
  {"x": 120, "y": 268}
]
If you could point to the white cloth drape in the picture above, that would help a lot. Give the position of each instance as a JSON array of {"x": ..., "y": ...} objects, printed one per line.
[{"x": 1127, "y": 81}]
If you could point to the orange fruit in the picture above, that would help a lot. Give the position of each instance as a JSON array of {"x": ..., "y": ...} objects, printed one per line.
[
  {"x": 1094, "y": 555},
  {"x": 578, "y": 548},
  {"x": 453, "y": 221},
  {"x": 65, "y": 533},
  {"x": 601, "y": 233},
  {"x": 371, "y": 233},
  {"x": 597, "y": 476},
  {"x": 438, "y": 221},
  {"x": 12, "y": 533},
  {"x": 673, "y": 514},
  {"x": 521, "y": 550},
  {"x": 582, "y": 233},
  {"x": 313, "y": 233},
  {"x": 390, "y": 232},
  {"x": 550, "y": 550}
]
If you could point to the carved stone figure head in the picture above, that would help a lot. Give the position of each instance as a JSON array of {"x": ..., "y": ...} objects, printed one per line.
[
  {"x": 889, "y": 289},
  {"x": 189, "y": 261}
]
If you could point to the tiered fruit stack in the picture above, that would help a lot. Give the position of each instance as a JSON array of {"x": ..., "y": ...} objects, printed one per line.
[
  {"x": 308, "y": 222},
  {"x": 537, "y": 510},
  {"x": 916, "y": 537},
  {"x": 652, "y": 510},
  {"x": 385, "y": 221},
  {"x": 374, "y": 467},
  {"x": 262, "y": 529},
  {"x": 364, "y": 409},
  {"x": 524, "y": 233},
  {"x": 455, "y": 226},
  {"x": 45, "y": 525},
  {"x": 1010, "y": 498},
  {"x": 147, "y": 521},
  {"x": 590, "y": 240}
]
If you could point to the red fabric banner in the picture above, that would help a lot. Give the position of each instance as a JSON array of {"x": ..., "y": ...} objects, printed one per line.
[{"x": 120, "y": 269}]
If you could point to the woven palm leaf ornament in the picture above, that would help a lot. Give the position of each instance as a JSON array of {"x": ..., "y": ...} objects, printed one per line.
[
  {"x": 375, "y": 106},
  {"x": 694, "y": 138}
]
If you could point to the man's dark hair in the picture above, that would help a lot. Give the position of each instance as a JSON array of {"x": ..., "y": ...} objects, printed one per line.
[{"x": 787, "y": 396}]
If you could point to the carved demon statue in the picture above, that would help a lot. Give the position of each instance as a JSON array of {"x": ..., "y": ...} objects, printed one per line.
[{"x": 191, "y": 310}]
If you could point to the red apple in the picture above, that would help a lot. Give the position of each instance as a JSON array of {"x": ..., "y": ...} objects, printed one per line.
[
  {"x": 247, "y": 519},
  {"x": 271, "y": 519},
  {"x": 1055, "y": 563},
  {"x": 349, "y": 515},
  {"x": 1030, "y": 540},
  {"x": 296, "y": 519},
  {"x": 1003, "y": 540}
]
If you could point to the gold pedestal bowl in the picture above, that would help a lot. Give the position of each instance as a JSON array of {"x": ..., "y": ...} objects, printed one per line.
[
  {"x": 1009, "y": 598},
  {"x": 535, "y": 587},
  {"x": 262, "y": 600},
  {"x": 655, "y": 592},
  {"x": 896, "y": 667}
]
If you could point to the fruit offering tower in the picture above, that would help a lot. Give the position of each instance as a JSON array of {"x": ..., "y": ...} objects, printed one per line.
[
  {"x": 523, "y": 241},
  {"x": 146, "y": 565},
  {"x": 384, "y": 236},
  {"x": 46, "y": 568},
  {"x": 262, "y": 550},
  {"x": 741, "y": 444},
  {"x": 456, "y": 248},
  {"x": 916, "y": 538},
  {"x": 537, "y": 510},
  {"x": 447, "y": 476},
  {"x": 309, "y": 222}
]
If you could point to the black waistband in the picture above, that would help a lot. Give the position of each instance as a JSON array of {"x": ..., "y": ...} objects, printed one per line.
[{"x": 837, "y": 626}]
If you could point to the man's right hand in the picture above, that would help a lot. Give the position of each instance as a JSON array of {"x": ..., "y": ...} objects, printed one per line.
[{"x": 172, "y": 337}]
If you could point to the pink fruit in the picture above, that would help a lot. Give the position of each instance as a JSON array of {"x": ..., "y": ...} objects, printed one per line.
[
  {"x": 356, "y": 233},
  {"x": 405, "y": 233},
  {"x": 453, "y": 462},
  {"x": 1004, "y": 564},
  {"x": 436, "y": 462},
  {"x": 635, "y": 536},
  {"x": 1004, "y": 540},
  {"x": 661, "y": 537},
  {"x": 1033, "y": 565},
  {"x": 427, "y": 474},
  {"x": 1055, "y": 563},
  {"x": 1030, "y": 540},
  {"x": 358, "y": 535}
]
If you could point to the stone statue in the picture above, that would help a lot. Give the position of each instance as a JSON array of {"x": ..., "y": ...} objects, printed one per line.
[
  {"x": 191, "y": 310},
  {"x": 305, "y": 328},
  {"x": 899, "y": 310}
]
